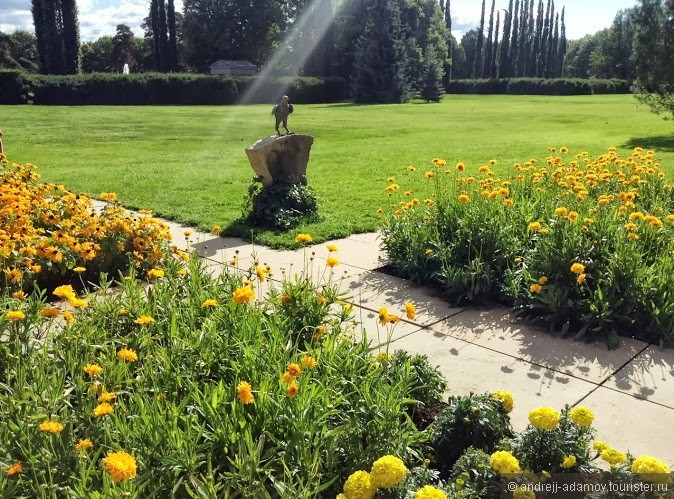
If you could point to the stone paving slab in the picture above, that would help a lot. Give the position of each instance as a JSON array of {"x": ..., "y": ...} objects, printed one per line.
[
  {"x": 628, "y": 423},
  {"x": 649, "y": 376},
  {"x": 363, "y": 254},
  {"x": 496, "y": 329},
  {"x": 471, "y": 368}
]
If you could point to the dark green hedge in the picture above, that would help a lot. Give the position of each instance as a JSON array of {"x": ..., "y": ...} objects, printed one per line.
[
  {"x": 539, "y": 86},
  {"x": 160, "y": 88}
]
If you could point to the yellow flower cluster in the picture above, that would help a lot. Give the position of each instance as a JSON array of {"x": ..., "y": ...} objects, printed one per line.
[
  {"x": 545, "y": 418},
  {"x": 387, "y": 472},
  {"x": 582, "y": 416},
  {"x": 45, "y": 229},
  {"x": 506, "y": 399},
  {"x": 429, "y": 492},
  {"x": 120, "y": 465},
  {"x": 504, "y": 463},
  {"x": 652, "y": 470}
]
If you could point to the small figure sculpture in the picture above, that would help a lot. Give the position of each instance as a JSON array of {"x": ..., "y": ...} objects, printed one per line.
[
  {"x": 281, "y": 111},
  {"x": 125, "y": 69}
]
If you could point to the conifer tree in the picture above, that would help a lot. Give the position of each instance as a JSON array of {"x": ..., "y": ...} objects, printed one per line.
[
  {"x": 493, "y": 69},
  {"x": 504, "y": 63},
  {"x": 521, "y": 51},
  {"x": 514, "y": 42},
  {"x": 477, "y": 69},
  {"x": 71, "y": 37},
  {"x": 550, "y": 44},
  {"x": 162, "y": 36},
  {"x": 538, "y": 36},
  {"x": 544, "y": 42},
  {"x": 172, "y": 37},
  {"x": 561, "y": 50},
  {"x": 488, "y": 56}
]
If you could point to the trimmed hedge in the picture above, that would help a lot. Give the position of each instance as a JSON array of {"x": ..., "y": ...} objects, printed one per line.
[
  {"x": 161, "y": 88},
  {"x": 539, "y": 86}
]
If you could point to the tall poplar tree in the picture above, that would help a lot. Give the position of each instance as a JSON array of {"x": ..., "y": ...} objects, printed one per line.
[
  {"x": 172, "y": 37},
  {"x": 493, "y": 69},
  {"x": 488, "y": 56},
  {"x": 477, "y": 69},
  {"x": 521, "y": 51},
  {"x": 514, "y": 42},
  {"x": 504, "y": 62},
  {"x": 71, "y": 37},
  {"x": 538, "y": 37},
  {"x": 561, "y": 49}
]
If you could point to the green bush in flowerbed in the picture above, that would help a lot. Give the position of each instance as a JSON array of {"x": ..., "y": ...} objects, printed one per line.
[
  {"x": 555, "y": 450},
  {"x": 578, "y": 243},
  {"x": 191, "y": 387}
]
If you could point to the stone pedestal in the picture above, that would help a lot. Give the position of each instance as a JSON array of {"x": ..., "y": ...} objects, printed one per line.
[{"x": 281, "y": 157}]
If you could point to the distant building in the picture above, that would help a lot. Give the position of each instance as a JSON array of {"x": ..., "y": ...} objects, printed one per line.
[{"x": 226, "y": 67}]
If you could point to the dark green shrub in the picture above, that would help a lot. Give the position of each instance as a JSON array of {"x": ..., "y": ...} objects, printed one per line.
[
  {"x": 427, "y": 386},
  {"x": 557, "y": 86},
  {"x": 478, "y": 421},
  {"x": 13, "y": 88},
  {"x": 282, "y": 205},
  {"x": 473, "y": 476},
  {"x": 479, "y": 86}
]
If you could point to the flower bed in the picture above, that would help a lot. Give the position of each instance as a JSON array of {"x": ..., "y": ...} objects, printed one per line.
[
  {"x": 582, "y": 244},
  {"x": 50, "y": 236}
]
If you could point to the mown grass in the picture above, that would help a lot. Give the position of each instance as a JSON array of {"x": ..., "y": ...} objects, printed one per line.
[{"x": 189, "y": 164}]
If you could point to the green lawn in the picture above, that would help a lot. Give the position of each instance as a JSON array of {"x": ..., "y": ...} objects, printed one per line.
[{"x": 189, "y": 164}]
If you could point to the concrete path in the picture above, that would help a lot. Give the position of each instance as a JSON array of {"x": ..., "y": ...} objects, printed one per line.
[{"x": 630, "y": 390}]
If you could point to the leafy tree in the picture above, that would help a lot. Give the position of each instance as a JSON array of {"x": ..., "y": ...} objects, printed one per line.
[
  {"x": 469, "y": 46},
  {"x": 654, "y": 51},
  {"x": 97, "y": 56},
  {"x": 431, "y": 88},
  {"x": 19, "y": 51},
  {"x": 123, "y": 48}
]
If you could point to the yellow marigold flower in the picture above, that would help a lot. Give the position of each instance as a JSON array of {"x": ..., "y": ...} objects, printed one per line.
[
  {"x": 518, "y": 260},
  {"x": 577, "y": 268},
  {"x": 332, "y": 261},
  {"x": 14, "y": 469},
  {"x": 631, "y": 226},
  {"x": 633, "y": 236},
  {"x": 50, "y": 312},
  {"x": 209, "y": 303},
  {"x": 331, "y": 247},
  {"x": 79, "y": 270},
  {"x": 93, "y": 369},
  {"x": 391, "y": 179},
  {"x": 543, "y": 279},
  {"x": 243, "y": 295},
  {"x": 187, "y": 233},
  {"x": 15, "y": 315},
  {"x": 65, "y": 291},
  {"x": 84, "y": 444},
  {"x": 108, "y": 196},
  {"x": 506, "y": 399},
  {"x": 359, "y": 486},
  {"x": 68, "y": 316},
  {"x": 244, "y": 391},
  {"x": 127, "y": 354},
  {"x": 19, "y": 295},
  {"x": 563, "y": 150},
  {"x": 484, "y": 169},
  {"x": 652, "y": 470},
  {"x": 261, "y": 274},
  {"x": 429, "y": 492},
  {"x": 545, "y": 418},
  {"x": 155, "y": 274},
  {"x": 600, "y": 446},
  {"x": 308, "y": 362},
  {"x": 569, "y": 462},
  {"x": 287, "y": 377},
  {"x": 293, "y": 389},
  {"x": 322, "y": 299},
  {"x": 522, "y": 492},
  {"x": 303, "y": 238},
  {"x": 294, "y": 370},
  {"x": 573, "y": 216},
  {"x": 508, "y": 202},
  {"x": 534, "y": 226},
  {"x": 144, "y": 320},
  {"x": 464, "y": 198},
  {"x": 216, "y": 230},
  {"x": 637, "y": 215},
  {"x": 103, "y": 410},
  {"x": 182, "y": 272},
  {"x": 51, "y": 427},
  {"x": 582, "y": 416},
  {"x": 380, "y": 211},
  {"x": 410, "y": 168},
  {"x": 670, "y": 218},
  {"x": 535, "y": 288},
  {"x": 286, "y": 299},
  {"x": 504, "y": 463},
  {"x": 410, "y": 310},
  {"x": 120, "y": 465},
  {"x": 387, "y": 472},
  {"x": 383, "y": 316},
  {"x": 460, "y": 167},
  {"x": 76, "y": 302},
  {"x": 429, "y": 175},
  {"x": 392, "y": 318},
  {"x": 383, "y": 357},
  {"x": 107, "y": 397},
  {"x": 581, "y": 278},
  {"x": 428, "y": 252},
  {"x": 612, "y": 456}
]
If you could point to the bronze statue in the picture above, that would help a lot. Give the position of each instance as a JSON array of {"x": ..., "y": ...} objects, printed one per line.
[{"x": 281, "y": 111}]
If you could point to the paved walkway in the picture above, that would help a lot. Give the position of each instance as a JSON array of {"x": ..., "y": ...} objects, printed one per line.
[{"x": 630, "y": 390}]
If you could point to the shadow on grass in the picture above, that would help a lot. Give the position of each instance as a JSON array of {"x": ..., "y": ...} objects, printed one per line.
[{"x": 659, "y": 143}]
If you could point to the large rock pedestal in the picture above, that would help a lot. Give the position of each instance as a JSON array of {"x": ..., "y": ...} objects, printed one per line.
[{"x": 282, "y": 157}]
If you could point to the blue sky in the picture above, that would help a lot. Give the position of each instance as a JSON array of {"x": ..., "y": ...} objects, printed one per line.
[{"x": 100, "y": 17}]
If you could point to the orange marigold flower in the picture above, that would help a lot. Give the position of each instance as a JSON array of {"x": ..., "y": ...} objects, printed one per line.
[
  {"x": 15, "y": 315},
  {"x": 107, "y": 397},
  {"x": 120, "y": 465},
  {"x": 294, "y": 370},
  {"x": 322, "y": 300},
  {"x": 287, "y": 377},
  {"x": 50, "y": 312},
  {"x": 286, "y": 299},
  {"x": 51, "y": 427},
  {"x": 144, "y": 320},
  {"x": 153, "y": 274},
  {"x": 103, "y": 410},
  {"x": 84, "y": 444},
  {"x": 65, "y": 291},
  {"x": 93, "y": 369},
  {"x": 577, "y": 268},
  {"x": 14, "y": 469},
  {"x": 308, "y": 362},
  {"x": 243, "y": 294},
  {"x": 210, "y": 303},
  {"x": 581, "y": 278},
  {"x": 535, "y": 288},
  {"x": 303, "y": 238},
  {"x": 410, "y": 310},
  {"x": 68, "y": 316},
  {"x": 127, "y": 354},
  {"x": 215, "y": 230},
  {"x": 293, "y": 390},
  {"x": 244, "y": 391},
  {"x": 332, "y": 261},
  {"x": 464, "y": 198}
]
